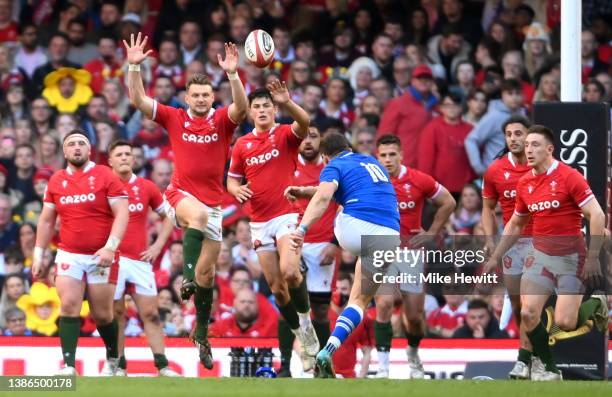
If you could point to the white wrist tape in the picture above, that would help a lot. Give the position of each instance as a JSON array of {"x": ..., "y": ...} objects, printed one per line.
[
  {"x": 233, "y": 76},
  {"x": 134, "y": 68},
  {"x": 38, "y": 254},
  {"x": 112, "y": 243}
]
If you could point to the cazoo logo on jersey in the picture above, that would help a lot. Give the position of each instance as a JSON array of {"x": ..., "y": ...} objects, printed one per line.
[
  {"x": 195, "y": 138},
  {"x": 77, "y": 198},
  {"x": 404, "y": 205},
  {"x": 509, "y": 193},
  {"x": 136, "y": 207},
  {"x": 543, "y": 205},
  {"x": 262, "y": 158}
]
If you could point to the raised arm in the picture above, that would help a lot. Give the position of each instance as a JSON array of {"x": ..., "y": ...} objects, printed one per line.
[
  {"x": 237, "y": 110},
  {"x": 135, "y": 56},
  {"x": 281, "y": 97}
]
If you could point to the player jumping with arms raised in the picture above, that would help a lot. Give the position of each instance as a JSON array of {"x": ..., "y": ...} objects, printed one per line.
[
  {"x": 267, "y": 157},
  {"x": 200, "y": 139}
]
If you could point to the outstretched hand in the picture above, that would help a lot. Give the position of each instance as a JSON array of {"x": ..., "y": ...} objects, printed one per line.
[
  {"x": 230, "y": 63},
  {"x": 135, "y": 50},
  {"x": 279, "y": 91}
]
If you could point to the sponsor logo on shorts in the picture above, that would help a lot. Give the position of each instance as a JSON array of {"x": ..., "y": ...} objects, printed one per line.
[
  {"x": 529, "y": 261},
  {"x": 65, "y": 266},
  {"x": 256, "y": 244}
]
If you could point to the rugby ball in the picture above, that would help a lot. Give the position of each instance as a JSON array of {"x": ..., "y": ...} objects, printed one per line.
[{"x": 259, "y": 48}]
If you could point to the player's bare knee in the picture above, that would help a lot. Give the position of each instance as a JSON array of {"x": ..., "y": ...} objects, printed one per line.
[
  {"x": 292, "y": 277},
  {"x": 70, "y": 309},
  {"x": 151, "y": 317},
  {"x": 566, "y": 322},
  {"x": 529, "y": 317},
  {"x": 384, "y": 310},
  {"x": 102, "y": 318}
]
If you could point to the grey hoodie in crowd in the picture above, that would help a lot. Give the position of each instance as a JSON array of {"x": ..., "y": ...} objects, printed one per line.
[{"x": 488, "y": 135}]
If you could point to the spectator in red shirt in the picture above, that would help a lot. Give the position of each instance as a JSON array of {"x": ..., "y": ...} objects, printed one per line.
[
  {"x": 443, "y": 321},
  {"x": 8, "y": 27},
  {"x": 406, "y": 116},
  {"x": 106, "y": 66},
  {"x": 246, "y": 320},
  {"x": 362, "y": 337},
  {"x": 441, "y": 150}
]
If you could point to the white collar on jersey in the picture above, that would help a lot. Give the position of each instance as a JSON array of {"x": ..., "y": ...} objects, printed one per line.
[
  {"x": 403, "y": 171},
  {"x": 211, "y": 111},
  {"x": 511, "y": 160},
  {"x": 302, "y": 160},
  {"x": 132, "y": 179},
  {"x": 89, "y": 166},
  {"x": 550, "y": 169},
  {"x": 271, "y": 130}
]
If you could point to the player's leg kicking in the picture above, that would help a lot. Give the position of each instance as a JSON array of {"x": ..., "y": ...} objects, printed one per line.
[
  {"x": 349, "y": 232},
  {"x": 137, "y": 276},
  {"x": 281, "y": 268}
]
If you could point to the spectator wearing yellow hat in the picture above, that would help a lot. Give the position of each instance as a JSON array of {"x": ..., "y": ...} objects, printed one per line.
[
  {"x": 42, "y": 307},
  {"x": 67, "y": 89}
]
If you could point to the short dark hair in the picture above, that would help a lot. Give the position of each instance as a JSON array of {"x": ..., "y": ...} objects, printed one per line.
[
  {"x": 260, "y": 93},
  {"x": 13, "y": 253},
  {"x": 342, "y": 276},
  {"x": 389, "y": 139},
  {"x": 544, "y": 131},
  {"x": 600, "y": 87},
  {"x": 478, "y": 304},
  {"x": 511, "y": 85},
  {"x": 118, "y": 142},
  {"x": 78, "y": 21},
  {"x": 517, "y": 119},
  {"x": 333, "y": 143},
  {"x": 451, "y": 29},
  {"x": 59, "y": 34},
  {"x": 456, "y": 98},
  {"x": 26, "y": 145},
  {"x": 23, "y": 26}
]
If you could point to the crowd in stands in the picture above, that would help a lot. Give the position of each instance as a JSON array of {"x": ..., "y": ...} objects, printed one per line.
[{"x": 443, "y": 75}]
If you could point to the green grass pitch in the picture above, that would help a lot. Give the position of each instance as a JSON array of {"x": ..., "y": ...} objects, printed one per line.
[{"x": 166, "y": 387}]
